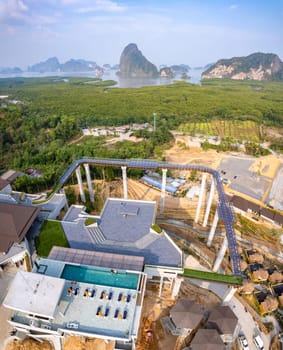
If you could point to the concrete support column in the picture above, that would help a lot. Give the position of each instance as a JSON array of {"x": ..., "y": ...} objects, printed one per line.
[
  {"x": 209, "y": 202},
  {"x": 124, "y": 176},
  {"x": 229, "y": 294},
  {"x": 160, "y": 286},
  {"x": 177, "y": 286},
  {"x": 213, "y": 228},
  {"x": 89, "y": 184},
  {"x": 163, "y": 187},
  {"x": 80, "y": 182},
  {"x": 220, "y": 255},
  {"x": 202, "y": 187},
  {"x": 66, "y": 206}
]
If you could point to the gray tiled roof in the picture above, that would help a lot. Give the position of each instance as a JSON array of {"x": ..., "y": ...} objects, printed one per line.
[
  {"x": 130, "y": 235},
  {"x": 223, "y": 319},
  {"x": 123, "y": 220},
  {"x": 186, "y": 314},
  {"x": 207, "y": 339}
]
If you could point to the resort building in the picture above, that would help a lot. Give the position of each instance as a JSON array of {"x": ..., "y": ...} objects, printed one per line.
[
  {"x": 80, "y": 292},
  {"x": 16, "y": 221},
  {"x": 96, "y": 287},
  {"x": 128, "y": 227},
  {"x": 223, "y": 319}
]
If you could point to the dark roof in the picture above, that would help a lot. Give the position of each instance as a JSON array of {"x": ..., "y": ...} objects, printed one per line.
[
  {"x": 186, "y": 314},
  {"x": 11, "y": 175},
  {"x": 92, "y": 258},
  {"x": 15, "y": 222},
  {"x": 3, "y": 183},
  {"x": 278, "y": 218},
  {"x": 223, "y": 319},
  {"x": 244, "y": 204},
  {"x": 207, "y": 339},
  {"x": 267, "y": 213}
]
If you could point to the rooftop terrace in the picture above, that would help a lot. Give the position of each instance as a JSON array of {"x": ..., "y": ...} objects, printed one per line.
[{"x": 105, "y": 310}]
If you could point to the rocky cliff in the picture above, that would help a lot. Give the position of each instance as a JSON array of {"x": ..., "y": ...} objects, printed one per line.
[
  {"x": 50, "y": 65},
  {"x": 134, "y": 65},
  {"x": 257, "y": 66}
]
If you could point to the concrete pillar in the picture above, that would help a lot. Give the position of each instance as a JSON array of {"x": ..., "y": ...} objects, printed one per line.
[
  {"x": 80, "y": 182},
  {"x": 202, "y": 187},
  {"x": 177, "y": 286},
  {"x": 220, "y": 255},
  {"x": 229, "y": 295},
  {"x": 66, "y": 205},
  {"x": 124, "y": 176},
  {"x": 213, "y": 228},
  {"x": 163, "y": 187},
  {"x": 89, "y": 184},
  {"x": 209, "y": 202},
  {"x": 160, "y": 286}
]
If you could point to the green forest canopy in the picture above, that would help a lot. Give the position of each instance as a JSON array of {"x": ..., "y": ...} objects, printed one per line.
[{"x": 52, "y": 111}]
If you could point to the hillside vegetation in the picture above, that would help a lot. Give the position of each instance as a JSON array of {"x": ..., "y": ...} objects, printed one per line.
[{"x": 41, "y": 129}]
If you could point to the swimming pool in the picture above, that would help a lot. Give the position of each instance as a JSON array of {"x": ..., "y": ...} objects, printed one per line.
[{"x": 91, "y": 275}]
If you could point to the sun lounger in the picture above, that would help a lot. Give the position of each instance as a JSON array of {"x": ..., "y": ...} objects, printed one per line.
[
  {"x": 107, "y": 312},
  {"x": 116, "y": 313},
  {"x": 98, "y": 312}
]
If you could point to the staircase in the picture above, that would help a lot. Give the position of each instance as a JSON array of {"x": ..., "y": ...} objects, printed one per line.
[{"x": 96, "y": 234}]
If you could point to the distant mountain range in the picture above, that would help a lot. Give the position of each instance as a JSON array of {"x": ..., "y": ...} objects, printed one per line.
[
  {"x": 52, "y": 65},
  {"x": 133, "y": 64},
  {"x": 257, "y": 66}
]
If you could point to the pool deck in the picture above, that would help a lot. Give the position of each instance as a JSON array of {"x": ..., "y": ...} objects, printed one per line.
[
  {"x": 94, "y": 309},
  {"x": 98, "y": 314}
]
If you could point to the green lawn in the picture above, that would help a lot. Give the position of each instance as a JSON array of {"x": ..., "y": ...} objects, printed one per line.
[
  {"x": 213, "y": 276},
  {"x": 51, "y": 234}
]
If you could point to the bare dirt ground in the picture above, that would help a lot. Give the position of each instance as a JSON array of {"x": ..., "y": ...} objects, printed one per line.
[
  {"x": 79, "y": 343},
  {"x": 29, "y": 344},
  {"x": 152, "y": 335}
]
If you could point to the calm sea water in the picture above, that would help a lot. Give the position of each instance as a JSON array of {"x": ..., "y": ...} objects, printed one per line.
[{"x": 195, "y": 77}]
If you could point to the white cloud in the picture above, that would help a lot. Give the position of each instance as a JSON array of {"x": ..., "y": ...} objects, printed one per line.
[
  {"x": 12, "y": 9},
  {"x": 87, "y": 6},
  {"x": 233, "y": 7}
]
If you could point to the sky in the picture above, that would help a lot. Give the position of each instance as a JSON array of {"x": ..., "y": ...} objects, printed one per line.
[{"x": 193, "y": 32}]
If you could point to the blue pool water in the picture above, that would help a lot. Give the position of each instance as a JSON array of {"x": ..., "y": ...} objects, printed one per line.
[{"x": 102, "y": 277}]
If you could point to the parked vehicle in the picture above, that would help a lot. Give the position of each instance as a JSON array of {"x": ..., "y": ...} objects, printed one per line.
[
  {"x": 258, "y": 342},
  {"x": 243, "y": 342}
]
